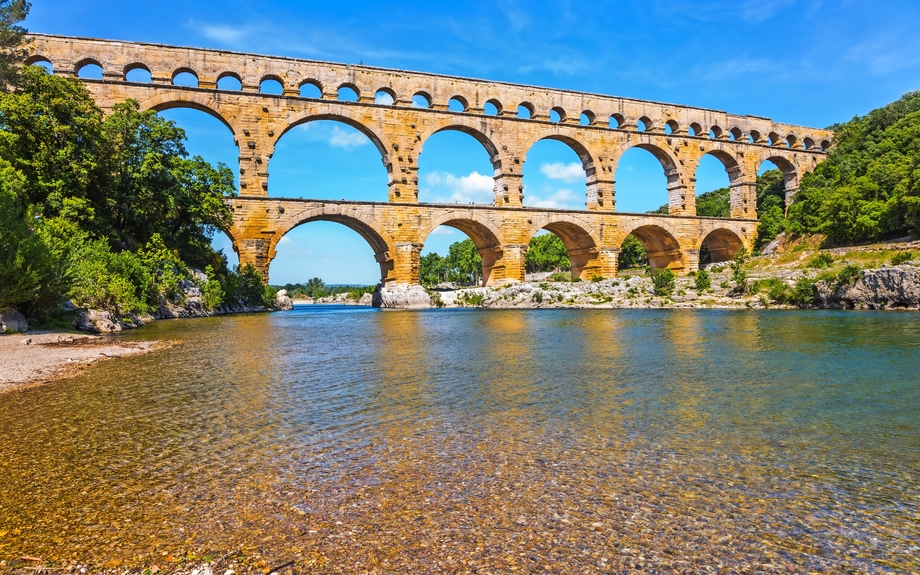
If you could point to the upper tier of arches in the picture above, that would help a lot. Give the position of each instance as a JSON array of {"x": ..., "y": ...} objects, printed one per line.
[{"x": 442, "y": 93}]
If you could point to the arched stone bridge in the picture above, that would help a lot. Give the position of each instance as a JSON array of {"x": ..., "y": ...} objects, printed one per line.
[{"x": 598, "y": 128}]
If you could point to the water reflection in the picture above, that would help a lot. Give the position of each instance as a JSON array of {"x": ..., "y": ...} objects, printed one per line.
[{"x": 463, "y": 440}]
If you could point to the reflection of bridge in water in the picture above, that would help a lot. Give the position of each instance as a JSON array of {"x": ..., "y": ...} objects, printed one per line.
[{"x": 598, "y": 128}]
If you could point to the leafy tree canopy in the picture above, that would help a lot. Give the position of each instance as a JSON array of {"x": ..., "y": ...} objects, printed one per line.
[{"x": 12, "y": 53}]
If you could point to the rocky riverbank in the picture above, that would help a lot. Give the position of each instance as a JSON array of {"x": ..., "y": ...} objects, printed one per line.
[
  {"x": 850, "y": 278},
  {"x": 32, "y": 359}
]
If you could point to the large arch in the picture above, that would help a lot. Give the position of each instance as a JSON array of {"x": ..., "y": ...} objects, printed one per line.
[
  {"x": 333, "y": 178},
  {"x": 668, "y": 165},
  {"x": 468, "y": 126},
  {"x": 487, "y": 237},
  {"x": 660, "y": 242},
  {"x": 787, "y": 167},
  {"x": 722, "y": 244},
  {"x": 193, "y": 100},
  {"x": 579, "y": 147},
  {"x": 370, "y": 229},
  {"x": 580, "y": 242},
  {"x": 733, "y": 173}
]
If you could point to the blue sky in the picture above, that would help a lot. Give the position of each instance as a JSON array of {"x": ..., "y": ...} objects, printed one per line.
[{"x": 805, "y": 62}]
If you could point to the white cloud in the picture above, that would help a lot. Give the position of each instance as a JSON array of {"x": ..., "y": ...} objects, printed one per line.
[
  {"x": 443, "y": 231},
  {"x": 348, "y": 140},
  {"x": 443, "y": 187},
  {"x": 560, "y": 199},
  {"x": 573, "y": 172},
  {"x": 226, "y": 34}
]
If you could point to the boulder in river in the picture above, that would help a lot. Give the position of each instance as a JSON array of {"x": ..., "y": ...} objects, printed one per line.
[
  {"x": 401, "y": 297},
  {"x": 283, "y": 302}
]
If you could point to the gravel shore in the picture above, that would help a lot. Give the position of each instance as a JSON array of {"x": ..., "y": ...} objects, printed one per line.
[{"x": 37, "y": 358}]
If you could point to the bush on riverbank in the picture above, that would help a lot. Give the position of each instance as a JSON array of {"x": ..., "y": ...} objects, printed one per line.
[{"x": 106, "y": 212}]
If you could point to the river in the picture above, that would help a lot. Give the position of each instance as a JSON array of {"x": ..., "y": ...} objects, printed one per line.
[{"x": 355, "y": 440}]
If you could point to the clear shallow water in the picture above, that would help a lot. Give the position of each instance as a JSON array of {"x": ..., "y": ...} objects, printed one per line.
[{"x": 350, "y": 440}]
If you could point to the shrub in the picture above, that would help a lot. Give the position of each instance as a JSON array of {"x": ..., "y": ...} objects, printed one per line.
[
  {"x": 114, "y": 282},
  {"x": 576, "y": 280},
  {"x": 848, "y": 275},
  {"x": 901, "y": 257},
  {"x": 212, "y": 293},
  {"x": 537, "y": 297},
  {"x": 802, "y": 294},
  {"x": 663, "y": 280},
  {"x": 778, "y": 291},
  {"x": 471, "y": 299},
  {"x": 560, "y": 277},
  {"x": 702, "y": 280},
  {"x": 821, "y": 260},
  {"x": 597, "y": 278},
  {"x": 739, "y": 276}
]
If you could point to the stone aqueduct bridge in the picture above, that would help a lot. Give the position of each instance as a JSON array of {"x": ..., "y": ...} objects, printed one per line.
[{"x": 678, "y": 136}]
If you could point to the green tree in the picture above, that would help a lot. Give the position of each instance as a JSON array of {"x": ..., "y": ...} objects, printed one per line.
[
  {"x": 632, "y": 254},
  {"x": 433, "y": 269},
  {"x": 714, "y": 204},
  {"x": 545, "y": 253},
  {"x": 12, "y": 52},
  {"x": 464, "y": 262}
]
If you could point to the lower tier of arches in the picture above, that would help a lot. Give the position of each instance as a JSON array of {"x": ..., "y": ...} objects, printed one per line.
[{"x": 397, "y": 234}]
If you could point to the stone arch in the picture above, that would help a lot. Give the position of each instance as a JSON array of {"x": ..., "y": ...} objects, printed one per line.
[
  {"x": 495, "y": 102},
  {"x": 471, "y": 127},
  {"x": 88, "y": 61},
  {"x": 135, "y": 66},
  {"x": 789, "y": 169},
  {"x": 388, "y": 91},
  {"x": 311, "y": 82},
  {"x": 619, "y": 119},
  {"x": 676, "y": 201},
  {"x": 368, "y": 228},
  {"x": 463, "y": 101},
  {"x": 722, "y": 243},
  {"x": 346, "y": 117},
  {"x": 184, "y": 70},
  {"x": 194, "y": 100},
  {"x": 576, "y": 145},
  {"x": 487, "y": 237},
  {"x": 660, "y": 241},
  {"x": 351, "y": 86},
  {"x": 735, "y": 174},
  {"x": 37, "y": 59},
  {"x": 580, "y": 242}
]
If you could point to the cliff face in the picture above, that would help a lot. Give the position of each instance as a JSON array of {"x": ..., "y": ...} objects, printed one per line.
[{"x": 883, "y": 288}]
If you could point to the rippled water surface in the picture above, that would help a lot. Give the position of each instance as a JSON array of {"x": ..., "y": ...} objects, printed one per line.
[{"x": 353, "y": 440}]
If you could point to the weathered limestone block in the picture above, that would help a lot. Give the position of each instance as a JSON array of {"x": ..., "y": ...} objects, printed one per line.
[
  {"x": 11, "y": 321},
  {"x": 401, "y": 297},
  {"x": 884, "y": 288},
  {"x": 283, "y": 302}
]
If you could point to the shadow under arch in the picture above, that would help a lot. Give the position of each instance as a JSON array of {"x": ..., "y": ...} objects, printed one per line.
[
  {"x": 580, "y": 243},
  {"x": 487, "y": 238},
  {"x": 722, "y": 244},
  {"x": 660, "y": 244},
  {"x": 370, "y": 229}
]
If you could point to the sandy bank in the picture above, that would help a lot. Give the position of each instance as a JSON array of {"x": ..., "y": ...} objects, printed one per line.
[{"x": 36, "y": 358}]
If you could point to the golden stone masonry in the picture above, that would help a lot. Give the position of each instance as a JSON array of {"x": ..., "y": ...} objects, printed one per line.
[{"x": 678, "y": 136}]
